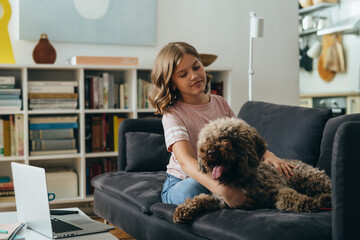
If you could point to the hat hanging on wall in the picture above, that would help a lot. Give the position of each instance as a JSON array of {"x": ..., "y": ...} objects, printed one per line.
[{"x": 44, "y": 52}]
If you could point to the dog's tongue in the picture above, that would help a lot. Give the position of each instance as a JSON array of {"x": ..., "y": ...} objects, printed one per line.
[{"x": 217, "y": 172}]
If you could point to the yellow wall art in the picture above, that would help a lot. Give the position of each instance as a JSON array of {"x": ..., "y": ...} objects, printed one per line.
[{"x": 6, "y": 52}]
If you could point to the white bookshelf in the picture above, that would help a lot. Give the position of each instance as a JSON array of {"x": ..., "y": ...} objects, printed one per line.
[{"x": 25, "y": 73}]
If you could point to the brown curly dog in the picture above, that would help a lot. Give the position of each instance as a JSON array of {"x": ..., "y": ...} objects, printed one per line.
[{"x": 232, "y": 152}]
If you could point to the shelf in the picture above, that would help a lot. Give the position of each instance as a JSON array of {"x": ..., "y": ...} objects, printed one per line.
[
  {"x": 101, "y": 154},
  {"x": 59, "y": 156},
  {"x": 348, "y": 26},
  {"x": 315, "y": 7},
  {"x": 60, "y": 111},
  {"x": 12, "y": 158},
  {"x": 81, "y": 160},
  {"x": 307, "y": 32},
  {"x": 96, "y": 111}
]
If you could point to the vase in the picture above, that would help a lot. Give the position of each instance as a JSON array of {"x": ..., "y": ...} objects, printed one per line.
[{"x": 44, "y": 52}]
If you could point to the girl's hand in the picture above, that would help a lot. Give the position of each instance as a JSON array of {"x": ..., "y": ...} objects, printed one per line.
[
  {"x": 235, "y": 198},
  {"x": 283, "y": 167}
]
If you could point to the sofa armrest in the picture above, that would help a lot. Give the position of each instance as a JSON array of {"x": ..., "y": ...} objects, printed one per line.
[
  {"x": 345, "y": 188},
  {"x": 142, "y": 146}
]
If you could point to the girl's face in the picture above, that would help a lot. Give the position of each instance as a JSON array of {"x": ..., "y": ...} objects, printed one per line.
[{"x": 189, "y": 78}]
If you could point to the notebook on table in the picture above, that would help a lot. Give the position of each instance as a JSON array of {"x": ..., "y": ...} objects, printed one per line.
[{"x": 32, "y": 206}]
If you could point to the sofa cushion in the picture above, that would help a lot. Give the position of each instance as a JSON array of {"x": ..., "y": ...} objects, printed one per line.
[
  {"x": 291, "y": 132},
  {"x": 327, "y": 142},
  {"x": 153, "y": 157},
  {"x": 242, "y": 224},
  {"x": 142, "y": 189}
]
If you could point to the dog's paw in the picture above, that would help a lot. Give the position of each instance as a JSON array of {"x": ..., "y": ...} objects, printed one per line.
[
  {"x": 182, "y": 214},
  {"x": 325, "y": 200}
]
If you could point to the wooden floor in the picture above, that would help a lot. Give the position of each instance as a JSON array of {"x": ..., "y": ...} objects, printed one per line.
[{"x": 118, "y": 233}]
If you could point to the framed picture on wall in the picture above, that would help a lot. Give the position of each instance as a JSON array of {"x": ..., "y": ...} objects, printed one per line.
[{"x": 125, "y": 22}]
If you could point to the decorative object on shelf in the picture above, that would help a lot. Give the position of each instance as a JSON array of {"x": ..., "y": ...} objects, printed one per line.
[
  {"x": 305, "y": 3},
  {"x": 7, "y": 55},
  {"x": 207, "y": 59},
  {"x": 44, "y": 52},
  {"x": 256, "y": 31}
]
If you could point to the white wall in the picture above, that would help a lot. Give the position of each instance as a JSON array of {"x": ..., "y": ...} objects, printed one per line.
[
  {"x": 349, "y": 81},
  {"x": 213, "y": 26}
]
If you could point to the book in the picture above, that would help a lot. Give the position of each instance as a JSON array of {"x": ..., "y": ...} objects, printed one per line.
[
  {"x": 1, "y": 137},
  {"x": 7, "y": 86},
  {"x": 111, "y": 104},
  {"x": 52, "y": 144},
  {"x": 97, "y": 60},
  {"x": 9, "y": 96},
  {"x": 7, "y": 138},
  {"x": 116, "y": 95},
  {"x": 10, "y": 102},
  {"x": 53, "y": 106},
  {"x": 4, "y": 179},
  {"x": 96, "y": 133},
  {"x": 52, "y": 95},
  {"x": 51, "y": 133},
  {"x": 12, "y": 136},
  {"x": 33, "y": 126},
  {"x": 53, "y": 119},
  {"x": 7, "y": 80},
  {"x": 117, "y": 121},
  {"x": 5, "y": 199},
  {"x": 105, "y": 90},
  {"x": 53, "y": 83},
  {"x": 51, "y": 89},
  {"x": 7, "y": 186},
  {"x": 19, "y": 134},
  {"x": 52, "y": 152},
  {"x": 101, "y": 93},
  {"x": 15, "y": 91},
  {"x": 122, "y": 96}
]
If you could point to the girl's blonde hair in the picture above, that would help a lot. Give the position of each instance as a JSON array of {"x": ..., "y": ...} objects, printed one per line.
[{"x": 163, "y": 96}]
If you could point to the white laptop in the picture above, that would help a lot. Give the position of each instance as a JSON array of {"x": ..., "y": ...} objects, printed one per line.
[{"x": 33, "y": 207}]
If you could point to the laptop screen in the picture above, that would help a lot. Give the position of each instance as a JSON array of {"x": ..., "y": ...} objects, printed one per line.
[{"x": 31, "y": 197}]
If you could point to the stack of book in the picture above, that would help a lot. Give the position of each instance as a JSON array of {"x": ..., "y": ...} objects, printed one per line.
[
  {"x": 52, "y": 135},
  {"x": 6, "y": 189},
  {"x": 9, "y": 95},
  {"x": 102, "y": 92},
  {"x": 102, "y": 133},
  {"x": 144, "y": 90},
  {"x": 52, "y": 94},
  {"x": 12, "y": 135}
]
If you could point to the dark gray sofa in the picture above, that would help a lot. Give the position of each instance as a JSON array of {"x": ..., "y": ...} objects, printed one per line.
[{"x": 130, "y": 198}]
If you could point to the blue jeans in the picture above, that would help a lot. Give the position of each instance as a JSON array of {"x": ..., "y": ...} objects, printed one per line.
[{"x": 176, "y": 190}]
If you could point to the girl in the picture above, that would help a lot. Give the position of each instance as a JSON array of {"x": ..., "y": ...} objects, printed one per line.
[{"x": 181, "y": 95}]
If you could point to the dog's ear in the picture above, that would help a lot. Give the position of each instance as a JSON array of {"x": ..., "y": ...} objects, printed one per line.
[{"x": 260, "y": 144}]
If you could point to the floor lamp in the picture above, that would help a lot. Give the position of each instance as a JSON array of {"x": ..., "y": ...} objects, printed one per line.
[{"x": 256, "y": 31}]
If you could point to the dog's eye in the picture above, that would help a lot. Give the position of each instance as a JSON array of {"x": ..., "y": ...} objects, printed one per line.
[{"x": 210, "y": 153}]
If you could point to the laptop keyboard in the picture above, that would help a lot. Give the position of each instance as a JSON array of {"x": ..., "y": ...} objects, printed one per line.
[{"x": 59, "y": 226}]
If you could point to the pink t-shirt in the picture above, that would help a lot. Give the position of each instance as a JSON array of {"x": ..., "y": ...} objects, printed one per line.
[{"x": 184, "y": 122}]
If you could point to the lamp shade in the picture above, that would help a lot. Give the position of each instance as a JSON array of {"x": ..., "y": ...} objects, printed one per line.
[{"x": 256, "y": 26}]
